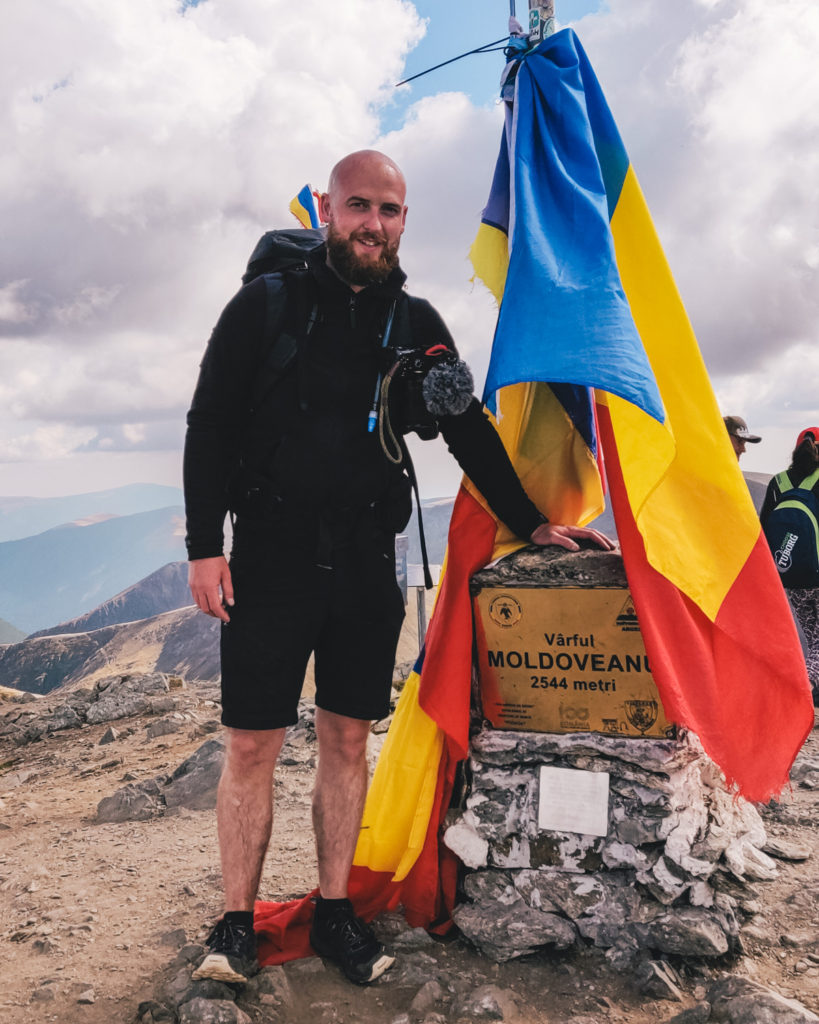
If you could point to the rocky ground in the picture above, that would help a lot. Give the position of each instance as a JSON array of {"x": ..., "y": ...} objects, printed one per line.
[{"x": 100, "y": 918}]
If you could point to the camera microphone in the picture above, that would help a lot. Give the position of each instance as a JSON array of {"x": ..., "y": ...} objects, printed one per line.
[{"x": 447, "y": 388}]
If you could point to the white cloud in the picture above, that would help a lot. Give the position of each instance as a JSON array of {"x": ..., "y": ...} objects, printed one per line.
[
  {"x": 778, "y": 399},
  {"x": 111, "y": 379},
  {"x": 44, "y": 442},
  {"x": 85, "y": 304},
  {"x": 12, "y": 309},
  {"x": 145, "y": 151}
]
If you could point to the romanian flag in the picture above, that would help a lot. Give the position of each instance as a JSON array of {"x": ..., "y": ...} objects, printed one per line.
[
  {"x": 305, "y": 208},
  {"x": 587, "y": 299},
  {"x": 595, "y": 375}
]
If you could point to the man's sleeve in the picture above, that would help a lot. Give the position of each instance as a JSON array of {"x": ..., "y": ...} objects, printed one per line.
[
  {"x": 480, "y": 453},
  {"x": 474, "y": 441},
  {"x": 427, "y": 325},
  {"x": 217, "y": 418}
]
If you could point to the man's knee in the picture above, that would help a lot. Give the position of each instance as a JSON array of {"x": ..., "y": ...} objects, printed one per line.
[
  {"x": 340, "y": 739},
  {"x": 252, "y": 750}
]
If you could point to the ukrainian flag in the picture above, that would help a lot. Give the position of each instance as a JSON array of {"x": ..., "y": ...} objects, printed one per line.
[{"x": 304, "y": 207}]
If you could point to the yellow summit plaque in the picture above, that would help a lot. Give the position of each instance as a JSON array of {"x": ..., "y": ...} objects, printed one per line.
[{"x": 565, "y": 659}]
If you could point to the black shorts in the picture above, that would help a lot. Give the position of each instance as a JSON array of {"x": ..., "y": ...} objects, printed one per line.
[{"x": 287, "y": 607}]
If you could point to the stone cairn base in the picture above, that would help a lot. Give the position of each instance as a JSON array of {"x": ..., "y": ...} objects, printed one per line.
[
  {"x": 655, "y": 883},
  {"x": 667, "y": 877}
]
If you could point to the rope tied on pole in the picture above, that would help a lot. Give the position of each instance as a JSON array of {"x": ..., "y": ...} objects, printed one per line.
[{"x": 541, "y": 25}]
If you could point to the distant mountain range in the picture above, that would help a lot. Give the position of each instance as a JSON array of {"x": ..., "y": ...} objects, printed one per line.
[
  {"x": 149, "y": 625},
  {"x": 183, "y": 642},
  {"x": 24, "y": 517},
  {"x": 62, "y": 573},
  {"x": 162, "y": 591},
  {"x": 435, "y": 513},
  {"x": 10, "y": 634}
]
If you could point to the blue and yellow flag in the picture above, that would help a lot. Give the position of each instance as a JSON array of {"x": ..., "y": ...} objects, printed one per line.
[{"x": 305, "y": 208}]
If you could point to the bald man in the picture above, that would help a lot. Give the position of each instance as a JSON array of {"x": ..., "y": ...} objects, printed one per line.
[{"x": 312, "y": 564}]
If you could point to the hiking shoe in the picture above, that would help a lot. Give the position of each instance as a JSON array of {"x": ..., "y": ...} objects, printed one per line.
[
  {"x": 344, "y": 938},
  {"x": 232, "y": 955}
]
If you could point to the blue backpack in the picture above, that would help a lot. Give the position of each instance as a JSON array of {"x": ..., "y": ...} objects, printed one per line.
[{"x": 792, "y": 532}]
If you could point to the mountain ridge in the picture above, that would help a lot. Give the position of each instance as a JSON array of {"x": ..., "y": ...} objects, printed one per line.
[
  {"x": 179, "y": 642},
  {"x": 10, "y": 634},
  {"x": 160, "y": 591},
  {"x": 23, "y": 516},
  {"x": 65, "y": 571}
]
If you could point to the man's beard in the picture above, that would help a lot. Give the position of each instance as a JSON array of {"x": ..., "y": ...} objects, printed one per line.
[{"x": 354, "y": 269}]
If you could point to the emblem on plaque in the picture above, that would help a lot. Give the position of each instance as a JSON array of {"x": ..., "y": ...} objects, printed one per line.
[
  {"x": 505, "y": 610},
  {"x": 627, "y": 619},
  {"x": 641, "y": 713}
]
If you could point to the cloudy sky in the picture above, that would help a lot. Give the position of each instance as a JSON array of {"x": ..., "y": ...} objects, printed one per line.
[{"x": 147, "y": 145}]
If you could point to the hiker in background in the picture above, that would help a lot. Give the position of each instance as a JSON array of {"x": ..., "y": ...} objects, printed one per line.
[
  {"x": 789, "y": 516},
  {"x": 740, "y": 435},
  {"x": 318, "y": 498}
]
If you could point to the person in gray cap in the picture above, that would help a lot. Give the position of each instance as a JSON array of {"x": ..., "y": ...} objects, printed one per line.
[{"x": 740, "y": 435}]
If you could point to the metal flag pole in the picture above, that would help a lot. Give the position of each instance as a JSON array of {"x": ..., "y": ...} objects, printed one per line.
[{"x": 541, "y": 25}]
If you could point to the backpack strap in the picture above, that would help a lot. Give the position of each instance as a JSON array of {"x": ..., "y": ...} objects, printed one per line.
[
  {"x": 287, "y": 295},
  {"x": 402, "y": 335},
  {"x": 783, "y": 481},
  {"x": 286, "y": 292},
  {"x": 810, "y": 481}
]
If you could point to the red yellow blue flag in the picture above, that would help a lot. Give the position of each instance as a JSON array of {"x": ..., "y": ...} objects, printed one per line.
[
  {"x": 594, "y": 355},
  {"x": 587, "y": 299}
]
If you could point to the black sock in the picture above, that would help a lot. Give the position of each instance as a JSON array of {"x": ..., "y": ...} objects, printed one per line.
[
  {"x": 243, "y": 917},
  {"x": 324, "y": 907}
]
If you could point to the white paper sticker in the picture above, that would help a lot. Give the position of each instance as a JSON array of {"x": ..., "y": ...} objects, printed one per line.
[{"x": 573, "y": 801}]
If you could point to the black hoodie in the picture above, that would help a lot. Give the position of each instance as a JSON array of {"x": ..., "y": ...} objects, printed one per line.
[{"x": 308, "y": 439}]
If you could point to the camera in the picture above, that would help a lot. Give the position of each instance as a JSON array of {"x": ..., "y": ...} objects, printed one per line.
[
  {"x": 425, "y": 385},
  {"x": 407, "y": 406}
]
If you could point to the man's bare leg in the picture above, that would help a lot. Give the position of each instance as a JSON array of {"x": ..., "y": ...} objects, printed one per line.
[
  {"x": 244, "y": 811},
  {"x": 244, "y": 815},
  {"x": 338, "y": 804},
  {"x": 338, "y": 797}
]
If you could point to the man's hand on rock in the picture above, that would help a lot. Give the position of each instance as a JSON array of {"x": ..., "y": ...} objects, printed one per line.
[
  {"x": 567, "y": 536},
  {"x": 211, "y": 586}
]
